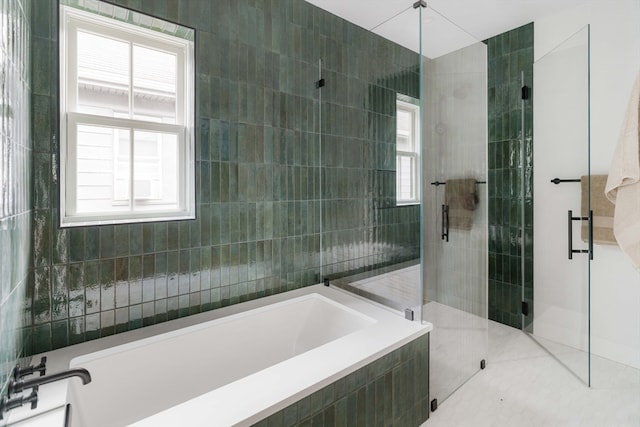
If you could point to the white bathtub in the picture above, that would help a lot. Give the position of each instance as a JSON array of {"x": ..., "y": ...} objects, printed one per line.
[{"x": 233, "y": 370}]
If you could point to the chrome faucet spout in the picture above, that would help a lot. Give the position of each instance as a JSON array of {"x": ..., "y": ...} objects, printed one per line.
[{"x": 16, "y": 386}]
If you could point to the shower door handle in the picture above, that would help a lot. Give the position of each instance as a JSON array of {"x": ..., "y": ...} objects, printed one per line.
[
  {"x": 570, "y": 219},
  {"x": 445, "y": 223}
]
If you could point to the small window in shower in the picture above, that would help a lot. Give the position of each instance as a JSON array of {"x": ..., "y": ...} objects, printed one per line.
[{"x": 407, "y": 151}]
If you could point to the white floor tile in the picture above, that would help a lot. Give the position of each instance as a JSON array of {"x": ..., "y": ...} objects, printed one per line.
[{"x": 523, "y": 385}]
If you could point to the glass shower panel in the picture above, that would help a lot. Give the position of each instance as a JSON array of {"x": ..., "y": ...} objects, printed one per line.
[
  {"x": 370, "y": 230},
  {"x": 455, "y": 202},
  {"x": 562, "y": 249}
]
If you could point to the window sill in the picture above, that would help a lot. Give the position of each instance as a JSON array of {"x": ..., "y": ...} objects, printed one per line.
[
  {"x": 400, "y": 204},
  {"x": 88, "y": 221}
]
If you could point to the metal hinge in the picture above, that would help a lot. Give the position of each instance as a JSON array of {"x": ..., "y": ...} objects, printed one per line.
[{"x": 525, "y": 308}]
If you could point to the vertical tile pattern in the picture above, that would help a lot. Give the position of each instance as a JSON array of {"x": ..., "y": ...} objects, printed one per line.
[
  {"x": 15, "y": 181},
  {"x": 390, "y": 391},
  {"x": 510, "y": 54},
  {"x": 260, "y": 173}
]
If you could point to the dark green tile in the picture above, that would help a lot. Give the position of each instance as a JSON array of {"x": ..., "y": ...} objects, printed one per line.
[{"x": 107, "y": 242}]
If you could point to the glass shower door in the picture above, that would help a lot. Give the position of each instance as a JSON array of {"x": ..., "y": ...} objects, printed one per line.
[
  {"x": 562, "y": 238},
  {"x": 455, "y": 205}
]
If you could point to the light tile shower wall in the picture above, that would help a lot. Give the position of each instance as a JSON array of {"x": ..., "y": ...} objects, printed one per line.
[
  {"x": 258, "y": 177},
  {"x": 510, "y": 53},
  {"x": 15, "y": 179}
]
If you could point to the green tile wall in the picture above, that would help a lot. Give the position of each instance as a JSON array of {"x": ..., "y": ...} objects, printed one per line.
[
  {"x": 391, "y": 391},
  {"x": 261, "y": 173},
  {"x": 15, "y": 171},
  {"x": 510, "y": 53}
]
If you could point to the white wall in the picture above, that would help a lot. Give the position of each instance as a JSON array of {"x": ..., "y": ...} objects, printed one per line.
[{"x": 615, "y": 285}]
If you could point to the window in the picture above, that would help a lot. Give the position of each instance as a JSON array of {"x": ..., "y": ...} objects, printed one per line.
[
  {"x": 127, "y": 149},
  {"x": 407, "y": 153}
]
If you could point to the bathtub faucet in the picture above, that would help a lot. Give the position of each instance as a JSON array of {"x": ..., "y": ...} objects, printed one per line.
[{"x": 16, "y": 385}]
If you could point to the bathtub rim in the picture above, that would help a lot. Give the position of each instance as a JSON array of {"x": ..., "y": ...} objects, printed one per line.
[{"x": 53, "y": 396}]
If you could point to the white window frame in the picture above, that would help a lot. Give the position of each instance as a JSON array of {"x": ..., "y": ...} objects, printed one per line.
[
  {"x": 74, "y": 20},
  {"x": 414, "y": 111}
]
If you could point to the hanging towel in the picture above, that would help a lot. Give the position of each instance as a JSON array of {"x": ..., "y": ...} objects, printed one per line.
[
  {"x": 623, "y": 185},
  {"x": 461, "y": 197},
  {"x": 602, "y": 209}
]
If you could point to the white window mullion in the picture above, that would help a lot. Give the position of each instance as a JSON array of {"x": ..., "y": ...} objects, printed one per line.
[{"x": 131, "y": 169}]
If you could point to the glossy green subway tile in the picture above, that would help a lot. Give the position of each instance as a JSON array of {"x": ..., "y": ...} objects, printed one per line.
[
  {"x": 92, "y": 243},
  {"x": 173, "y": 235},
  {"x": 121, "y": 282},
  {"x": 59, "y": 292},
  {"x": 184, "y": 235},
  {"x": 183, "y": 271},
  {"x": 107, "y": 241},
  {"x": 173, "y": 268},
  {"x": 41, "y": 308},
  {"x": 135, "y": 316},
  {"x": 76, "y": 244},
  {"x": 136, "y": 238},
  {"x": 107, "y": 284},
  {"x": 121, "y": 240},
  {"x": 92, "y": 326},
  {"x": 107, "y": 323},
  {"x": 155, "y": 239},
  {"x": 148, "y": 313}
]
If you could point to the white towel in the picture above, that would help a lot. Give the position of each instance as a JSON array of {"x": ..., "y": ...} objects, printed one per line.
[{"x": 623, "y": 185}]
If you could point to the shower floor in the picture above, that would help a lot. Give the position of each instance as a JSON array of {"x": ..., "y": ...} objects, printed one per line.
[
  {"x": 523, "y": 384},
  {"x": 398, "y": 286},
  {"x": 458, "y": 340}
]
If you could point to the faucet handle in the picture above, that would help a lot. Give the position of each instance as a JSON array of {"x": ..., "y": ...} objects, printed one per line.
[
  {"x": 23, "y": 372},
  {"x": 33, "y": 398},
  {"x": 42, "y": 366},
  {"x": 7, "y": 404}
]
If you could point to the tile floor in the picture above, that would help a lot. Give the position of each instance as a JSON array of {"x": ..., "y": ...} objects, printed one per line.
[
  {"x": 523, "y": 385},
  {"x": 526, "y": 381}
]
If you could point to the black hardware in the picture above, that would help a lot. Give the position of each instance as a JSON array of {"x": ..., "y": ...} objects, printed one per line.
[
  {"x": 7, "y": 404},
  {"x": 570, "y": 219},
  {"x": 591, "y": 234},
  {"x": 420, "y": 3},
  {"x": 558, "y": 180},
  {"x": 483, "y": 364},
  {"x": 437, "y": 183},
  {"x": 525, "y": 308},
  {"x": 326, "y": 282},
  {"x": 22, "y": 372},
  {"x": 525, "y": 92},
  {"x": 434, "y": 405},
  {"x": 445, "y": 223},
  {"x": 408, "y": 314},
  {"x": 16, "y": 386},
  {"x": 320, "y": 83}
]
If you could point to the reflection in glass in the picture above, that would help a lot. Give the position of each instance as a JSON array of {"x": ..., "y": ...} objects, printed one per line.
[
  {"x": 154, "y": 85},
  {"x": 103, "y": 75},
  {"x": 103, "y": 163}
]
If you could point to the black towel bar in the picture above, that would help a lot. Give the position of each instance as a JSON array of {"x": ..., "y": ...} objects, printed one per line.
[
  {"x": 436, "y": 183},
  {"x": 558, "y": 180}
]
